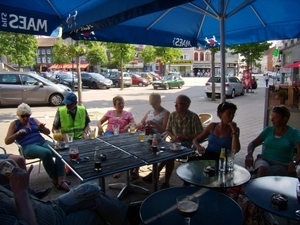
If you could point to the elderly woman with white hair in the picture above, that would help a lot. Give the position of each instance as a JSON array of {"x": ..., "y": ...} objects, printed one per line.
[{"x": 26, "y": 131}]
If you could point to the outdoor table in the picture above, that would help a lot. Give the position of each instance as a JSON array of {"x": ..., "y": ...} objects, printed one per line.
[
  {"x": 214, "y": 208},
  {"x": 117, "y": 160},
  {"x": 259, "y": 191},
  {"x": 130, "y": 143},
  {"x": 193, "y": 172}
]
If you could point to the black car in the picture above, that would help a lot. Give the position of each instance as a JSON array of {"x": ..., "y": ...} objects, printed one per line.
[
  {"x": 65, "y": 78},
  {"x": 116, "y": 78},
  {"x": 254, "y": 82},
  {"x": 95, "y": 80}
]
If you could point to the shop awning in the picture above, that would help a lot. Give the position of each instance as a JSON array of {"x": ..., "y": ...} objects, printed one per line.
[
  {"x": 69, "y": 66},
  {"x": 293, "y": 65}
]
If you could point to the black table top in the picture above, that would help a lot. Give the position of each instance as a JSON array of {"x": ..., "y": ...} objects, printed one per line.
[
  {"x": 214, "y": 208},
  {"x": 130, "y": 143},
  {"x": 117, "y": 160},
  {"x": 259, "y": 191},
  {"x": 193, "y": 172}
]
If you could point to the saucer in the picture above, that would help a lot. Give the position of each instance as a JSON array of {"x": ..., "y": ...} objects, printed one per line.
[
  {"x": 63, "y": 147},
  {"x": 177, "y": 149}
]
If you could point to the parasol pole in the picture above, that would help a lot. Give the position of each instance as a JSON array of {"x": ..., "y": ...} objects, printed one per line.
[{"x": 222, "y": 50}]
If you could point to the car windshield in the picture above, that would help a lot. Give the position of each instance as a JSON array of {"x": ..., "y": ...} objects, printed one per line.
[
  {"x": 168, "y": 77},
  {"x": 98, "y": 76},
  {"x": 44, "y": 80},
  {"x": 217, "y": 79},
  {"x": 65, "y": 76}
]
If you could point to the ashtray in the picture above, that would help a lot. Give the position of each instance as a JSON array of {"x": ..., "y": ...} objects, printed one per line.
[
  {"x": 209, "y": 171},
  {"x": 279, "y": 201},
  {"x": 61, "y": 146}
]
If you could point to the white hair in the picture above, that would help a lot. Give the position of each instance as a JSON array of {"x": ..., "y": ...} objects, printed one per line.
[{"x": 23, "y": 109}]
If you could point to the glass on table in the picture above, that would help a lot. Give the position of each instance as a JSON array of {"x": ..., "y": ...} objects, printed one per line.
[
  {"x": 6, "y": 168},
  {"x": 142, "y": 134},
  {"x": 70, "y": 137},
  {"x": 187, "y": 206},
  {"x": 116, "y": 129},
  {"x": 73, "y": 153},
  {"x": 230, "y": 160},
  {"x": 57, "y": 136},
  {"x": 132, "y": 128},
  {"x": 97, "y": 159},
  {"x": 93, "y": 133}
]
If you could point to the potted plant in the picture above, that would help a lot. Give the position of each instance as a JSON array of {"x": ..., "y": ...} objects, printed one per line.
[{"x": 283, "y": 95}]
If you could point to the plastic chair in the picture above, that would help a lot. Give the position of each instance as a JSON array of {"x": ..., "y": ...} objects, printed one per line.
[
  {"x": 32, "y": 160},
  {"x": 3, "y": 149},
  {"x": 205, "y": 119}
]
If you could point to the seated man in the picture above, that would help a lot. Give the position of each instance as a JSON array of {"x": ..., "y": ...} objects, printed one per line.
[
  {"x": 72, "y": 118},
  {"x": 183, "y": 126},
  {"x": 21, "y": 162},
  {"x": 84, "y": 204}
]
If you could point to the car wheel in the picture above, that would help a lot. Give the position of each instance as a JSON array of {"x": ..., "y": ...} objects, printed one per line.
[
  {"x": 155, "y": 88},
  {"x": 140, "y": 84},
  {"x": 117, "y": 84},
  {"x": 208, "y": 95},
  {"x": 167, "y": 86},
  {"x": 55, "y": 100},
  {"x": 180, "y": 86},
  {"x": 254, "y": 86},
  {"x": 94, "y": 85},
  {"x": 232, "y": 94}
]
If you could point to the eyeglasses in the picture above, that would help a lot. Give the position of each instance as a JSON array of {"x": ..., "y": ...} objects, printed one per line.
[
  {"x": 25, "y": 116},
  {"x": 281, "y": 110}
]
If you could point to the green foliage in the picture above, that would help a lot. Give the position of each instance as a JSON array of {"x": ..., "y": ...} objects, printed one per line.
[
  {"x": 252, "y": 52},
  {"x": 20, "y": 48},
  {"x": 168, "y": 54},
  {"x": 120, "y": 51},
  {"x": 96, "y": 55},
  {"x": 60, "y": 53},
  {"x": 149, "y": 54}
]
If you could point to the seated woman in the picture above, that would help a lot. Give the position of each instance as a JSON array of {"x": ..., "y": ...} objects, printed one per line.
[
  {"x": 26, "y": 131},
  {"x": 118, "y": 116},
  {"x": 155, "y": 121},
  {"x": 224, "y": 134},
  {"x": 279, "y": 140}
]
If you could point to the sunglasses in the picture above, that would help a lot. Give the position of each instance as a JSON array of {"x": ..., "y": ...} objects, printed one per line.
[
  {"x": 25, "y": 116},
  {"x": 280, "y": 110}
]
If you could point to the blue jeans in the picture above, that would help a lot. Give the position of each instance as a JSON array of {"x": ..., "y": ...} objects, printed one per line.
[{"x": 54, "y": 168}]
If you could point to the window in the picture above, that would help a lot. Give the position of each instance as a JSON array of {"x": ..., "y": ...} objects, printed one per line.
[
  {"x": 196, "y": 56},
  {"x": 9, "y": 79},
  {"x": 49, "y": 60},
  {"x": 43, "y": 59},
  {"x": 43, "y": 51},
  {"x": 186, "y": 57},
  {"x": 38, "y": 60},
  {"x": 201, "y": 56},
  {"x": 48, "y": 51},
  {"x": 207, "y": 56}
]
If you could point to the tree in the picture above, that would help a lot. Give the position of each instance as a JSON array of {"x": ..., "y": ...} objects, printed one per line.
[
  {"x": 251, "y": 52},
  {"x": 96, "y": 55},
  {"x": 149, "y": 54},
  {"x": 167, "y": 55},
  {"x": 20, "y": 48},
  {"x": 123, "y": 53},
  {"x": 60, "y": 53}
]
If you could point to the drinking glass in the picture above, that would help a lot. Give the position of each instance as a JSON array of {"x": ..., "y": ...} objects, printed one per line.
[
  {"x": 132, "y": 128},
  {"x": 73, "y": 153},
  {"x": 6, "y": 168},
  {"x": 142, "y": 134},
  {"x": 70, "y": 137},
  {"x": 230, "y": 160},
  {"x": 116, "y": 129},
  {"x": 57, "y": 136},
  {"x": 92, "y": 133},
  {"x": 187, "y": 206}
]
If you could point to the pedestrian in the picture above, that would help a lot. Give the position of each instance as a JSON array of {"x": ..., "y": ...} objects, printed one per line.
[{"x": 266, "y": 79}]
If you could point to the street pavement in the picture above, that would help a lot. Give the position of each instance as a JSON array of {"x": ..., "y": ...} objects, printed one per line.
[{"x": 249, "y": 118}]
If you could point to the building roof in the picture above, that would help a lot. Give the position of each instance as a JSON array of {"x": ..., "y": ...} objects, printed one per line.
[{"x": 47, "y": 42}]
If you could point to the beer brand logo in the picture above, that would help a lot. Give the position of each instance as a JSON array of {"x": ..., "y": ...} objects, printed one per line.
[
  {"x": 14, "y": 21},
  {"x": 212, "y": 42},
  {"x": 71, "y": 20},
  {"x": 179, "y": 42}
]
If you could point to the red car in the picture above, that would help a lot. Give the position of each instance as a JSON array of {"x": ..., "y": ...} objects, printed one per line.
[
  {"x": 155, "y": 76},
  {"x": 138, "y": 80}
]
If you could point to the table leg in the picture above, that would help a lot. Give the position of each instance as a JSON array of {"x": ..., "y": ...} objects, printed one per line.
[
  {"x": 154, "y": 176},
  {"x": 102, "y": 184},
  {"x": 128, "y": 187}
]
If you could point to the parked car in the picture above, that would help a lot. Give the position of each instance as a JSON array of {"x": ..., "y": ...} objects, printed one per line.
[
  {"x": 138, "y": 80},
  {"x": 233, "y": 86},
  {"x": 65, "y": 78},
  {"x": 46, "y": 75},
  {"x": 155, "y": 76},
  {"x": 95, "y": 80},
  {"x": 18, "y": 87},
  {"x": 169, "y": 81},
  {"x": 147, "y": 76},
  {"x": 116, "y": 78}
]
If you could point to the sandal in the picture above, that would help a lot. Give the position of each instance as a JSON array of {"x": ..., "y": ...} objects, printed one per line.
[
  {"x": 61, "y": 186},
  {"x": 67, "y": 181}
]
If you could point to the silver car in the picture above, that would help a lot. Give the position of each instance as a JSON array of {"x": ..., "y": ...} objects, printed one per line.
[
  {"x": 233, "y": 86},
  {"x": 18, "y": 87}
]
